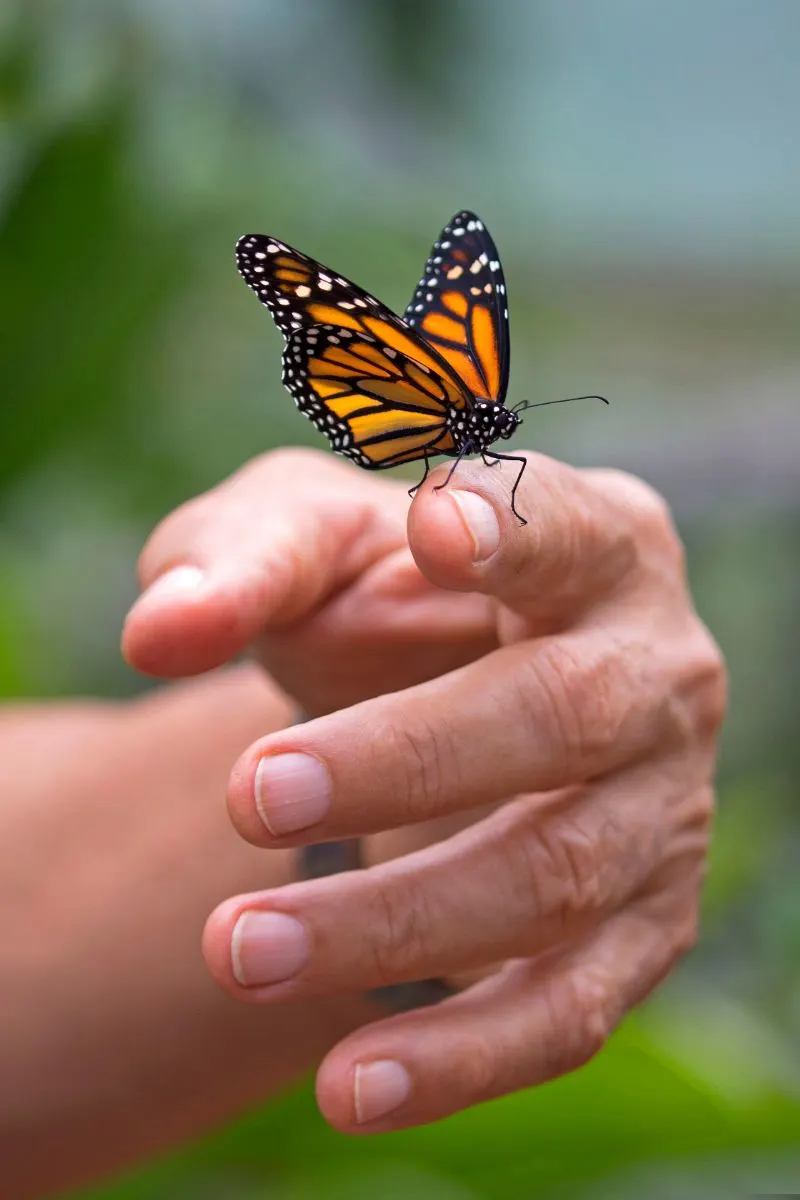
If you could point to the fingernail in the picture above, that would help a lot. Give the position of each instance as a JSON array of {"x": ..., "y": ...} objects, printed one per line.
[
  {"x": 292, "y": 791},
  {"x": 379, "y": 1088},
  {"x": 267, "y": 947},
  {"x": 481, "y": 522},
  {"x": 177, "y": 582}
]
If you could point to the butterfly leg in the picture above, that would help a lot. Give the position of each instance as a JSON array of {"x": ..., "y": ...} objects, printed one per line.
[
  {"x": 417, "y": 486},
  {"x": 495, "y": 463},
  {"x": 463, "y": 452},
  {"x": 524, "y": 462}
]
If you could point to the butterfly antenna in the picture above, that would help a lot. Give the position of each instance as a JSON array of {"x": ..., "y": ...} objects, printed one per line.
[{"x": 524, "y": 405}]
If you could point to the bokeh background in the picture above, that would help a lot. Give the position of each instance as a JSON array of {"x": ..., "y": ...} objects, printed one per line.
[{"x": 639, "y": 166}]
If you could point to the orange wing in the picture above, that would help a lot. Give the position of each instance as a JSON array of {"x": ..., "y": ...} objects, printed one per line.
[
  {"x": 300, "y": 292},
  {"x": 461, "y": 308},
  {"x": 297, "y": 289},
  {"x": 375, "y": 403}
]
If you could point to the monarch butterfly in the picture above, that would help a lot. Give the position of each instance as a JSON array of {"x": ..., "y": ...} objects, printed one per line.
[{"x": 385, "y": 389}]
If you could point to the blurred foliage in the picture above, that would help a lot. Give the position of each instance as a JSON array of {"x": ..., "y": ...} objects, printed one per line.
[{"x": 137, "y": 142}]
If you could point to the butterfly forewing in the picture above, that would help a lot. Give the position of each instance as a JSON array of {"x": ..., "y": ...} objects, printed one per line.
[
  {"x": 374, "y": 403},
  {"x": 296, "y": 289},
  {"x": 461, "y": 307},
  {"x": 300, "y": 292}
]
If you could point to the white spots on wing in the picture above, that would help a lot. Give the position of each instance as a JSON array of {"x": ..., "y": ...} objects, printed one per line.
[
  {"x": 459, "y": 232},
  {"x": 360, "y": 303},
  {"x": 259, "y": 254},
  {"x": 488, "y": 289},
  {"x": 325, "y": 284},
  {"x": 389, "y": 352},
  {"x": 475, "y": 291},
  {"x": 475, "y": 266},
  {"x": 259, "y": 269},
  {"x": 455, "y": 272},
  {"x": 445, "y": 245},
  {"x": 428, "y": 297},
  {"x": 302, "y": 290},
  {"x": 345, "y": 304},
  {"x": 273, "y": 247},
  {"x": 333, "y": 341},
  {"x": 284, "y": 303}
]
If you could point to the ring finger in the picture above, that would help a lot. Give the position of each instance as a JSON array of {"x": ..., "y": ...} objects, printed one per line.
[{"x": 537, "y": 873}]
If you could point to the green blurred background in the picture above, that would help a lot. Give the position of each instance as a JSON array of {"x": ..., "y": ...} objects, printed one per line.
[{"x": 638, "y": 165}]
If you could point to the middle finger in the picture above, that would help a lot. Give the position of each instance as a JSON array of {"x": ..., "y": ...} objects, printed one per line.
[{"x": 528, "y": 717}]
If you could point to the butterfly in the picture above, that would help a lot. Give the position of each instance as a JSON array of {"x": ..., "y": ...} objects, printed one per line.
[{"x": 384, "y": 389}]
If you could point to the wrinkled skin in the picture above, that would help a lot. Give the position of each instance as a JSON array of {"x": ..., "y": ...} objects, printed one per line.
[{"x": 544, "y": 694}]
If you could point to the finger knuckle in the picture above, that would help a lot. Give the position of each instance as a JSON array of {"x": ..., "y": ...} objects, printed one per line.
[
  {"x": 710, "y": 679},
  {"x": 703, "y": 805},
  {"x": 396, "y": 934},
  {"x": 576, "y": 698},
  {"x": 687, "y": 934},
  {"x": 474, "y": 1068},
  {"x": 591, "y": 998},
  {"x": 684, "y": 859},
  {"x": 580, "y": 532},
  {"x": 566, "y": 870},
  {"x": 578, "y": 1019},
  {"x": 650, "y": 522},
  {"x": 418, "y": 758},
  {"x": 694, "y": 695}
]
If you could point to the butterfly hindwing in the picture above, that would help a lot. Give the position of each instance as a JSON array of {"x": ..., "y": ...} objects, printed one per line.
[
  {"x": 460, "y": 306},
  {"x": 375, "y": 404}
]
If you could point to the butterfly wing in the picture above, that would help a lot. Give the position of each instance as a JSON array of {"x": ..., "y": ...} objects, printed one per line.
[
  {"x": 461, "y": 307},
  {"x": 376, "y": 405},
  {"x": 300, "y": 292},
  {"x": 297, "y": 289}
]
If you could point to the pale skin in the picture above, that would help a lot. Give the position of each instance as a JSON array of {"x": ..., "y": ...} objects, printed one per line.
[
  {"x": 551, "y": 683},
  {"x": 114, "y": 1041},
  {"x": 556, "y": 703}
]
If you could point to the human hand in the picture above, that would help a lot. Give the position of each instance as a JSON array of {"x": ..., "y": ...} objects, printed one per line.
[
  {"x": 305, "y": 562},
  {"x": 595, "y": 704}
]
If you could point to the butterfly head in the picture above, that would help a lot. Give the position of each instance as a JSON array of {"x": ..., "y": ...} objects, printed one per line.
[{"x": 506, "y": 421}]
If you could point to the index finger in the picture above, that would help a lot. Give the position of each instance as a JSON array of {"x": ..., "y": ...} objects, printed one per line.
[
  {"x": 266, "y": 547},
  {"x": 585, "y": 535}
]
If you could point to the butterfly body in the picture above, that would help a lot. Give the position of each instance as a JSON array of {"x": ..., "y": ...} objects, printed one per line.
[
  {"x": 384, "y": 389},
  {"x": 481, "y": 426}
]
